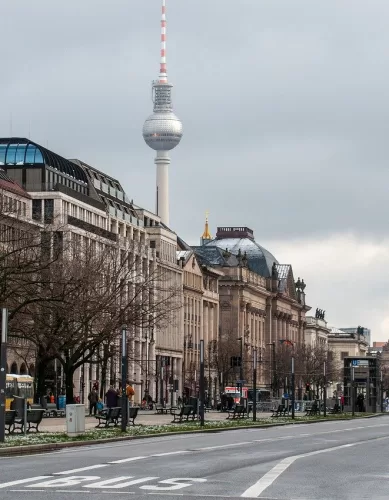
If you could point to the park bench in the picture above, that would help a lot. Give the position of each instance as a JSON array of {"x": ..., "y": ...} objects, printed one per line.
[
  {"x": 184, "y": 413},
  {"x": 133, "y": 413},
  {"x": 159, "y": 409},
  {"x": 52, "y": 411},
  {"x": 108, "y": 416},
  {"x": 10, "y": 421},
  {"x": 335, "y": 409},
  {"x": 34, "y": 418},
  {"x": 312, "y": 410},
  {"x": 238, "y": 412},
  {"x": 281, "y": 411}
]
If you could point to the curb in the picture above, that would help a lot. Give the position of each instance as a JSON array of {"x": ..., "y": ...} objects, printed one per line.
[{"x": 47, "y": 447}]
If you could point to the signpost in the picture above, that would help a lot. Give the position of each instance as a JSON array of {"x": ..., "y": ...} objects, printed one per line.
[
  {"x": 3, "y": 365},
  {"x": 353, "y": 389},
  {"x": 293, "y": 387},
  {"x": 325, "y": 388},
  {"x": 124, "y": 380},
  {"x": 202, "y": 391},
  {"x": 254, "y": 385}
]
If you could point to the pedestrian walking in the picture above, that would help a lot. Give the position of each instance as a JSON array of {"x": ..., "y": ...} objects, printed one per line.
[
  {"x": 129, "y": 393},
  {"x": 111, "y": 397},
  {"x": 93, "y": 398}
]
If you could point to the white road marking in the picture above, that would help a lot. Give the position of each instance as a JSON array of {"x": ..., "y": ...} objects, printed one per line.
[
  {"x": 65, "y": 482},
  {"x": 120, "y": 482},
  {"x": 23, "y": 481},
  {"x": 90, "y": 467},
  {"x": 27, "y": 491},
  {"x": 170, "y": 453},
  {"x": 223, "y": 446},
  {"x": 260, "y": 486},
  {"x": 256, "y": 489},
  {"x": 124, "y": 460},
  {"x": 176, "y": 483},
  {"x": 67, "y": 491}
]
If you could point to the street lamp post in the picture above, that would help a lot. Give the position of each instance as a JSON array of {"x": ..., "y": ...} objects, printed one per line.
[
  {"x": 273, "y": 366},
  {"x": 124, "y": 379},
  {"x": 162, "y": 398},
  {"x": 241, "y": 366},
  {"x": 381, "y": 392},
  {"x": 209, "y": 374},
  {"x": 293, "y": 387},
  {"x": 254, "y": 385},
  {"x": 325, "y": 388},
  {"x": 202, "y": 391},
  {"x": 3, "y": 364},
  {"x": 352, "y": 391}
]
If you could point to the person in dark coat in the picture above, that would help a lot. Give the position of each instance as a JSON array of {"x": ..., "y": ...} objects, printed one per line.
[
  {"x": 93, "y": 398},
  {"x": 111, "y": 397}
]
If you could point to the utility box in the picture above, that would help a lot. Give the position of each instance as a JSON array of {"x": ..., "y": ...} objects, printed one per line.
[{"x": 75, "y": 420}]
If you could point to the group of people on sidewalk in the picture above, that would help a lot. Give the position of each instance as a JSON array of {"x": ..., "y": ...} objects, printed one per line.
[{"x": 111, "y": 398}]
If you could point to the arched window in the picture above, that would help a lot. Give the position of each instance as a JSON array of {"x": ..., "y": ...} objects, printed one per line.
[
  {"x": 32, "y": 370},
  {"x": 23, "y": 369},
  {"x": 14, "y": 368}
]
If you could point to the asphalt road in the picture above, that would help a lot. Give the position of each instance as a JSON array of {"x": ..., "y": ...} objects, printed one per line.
[{"x": 329, "y": 460}]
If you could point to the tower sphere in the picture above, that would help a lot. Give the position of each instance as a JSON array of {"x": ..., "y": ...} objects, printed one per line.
[{"x": 162, "y": 131}]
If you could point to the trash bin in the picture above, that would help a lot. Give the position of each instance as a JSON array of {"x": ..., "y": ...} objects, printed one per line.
[
  {"x": 61, "y": 402},
  {"x": 75, "y": 420}
]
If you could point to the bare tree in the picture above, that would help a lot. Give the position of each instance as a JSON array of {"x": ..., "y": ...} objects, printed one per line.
[
  {"x": 26, "y": 254},
  {"x": 92, "y": 293}
]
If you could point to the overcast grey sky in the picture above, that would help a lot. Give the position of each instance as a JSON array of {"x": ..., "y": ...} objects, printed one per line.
[{"x": 285, "y": 106}]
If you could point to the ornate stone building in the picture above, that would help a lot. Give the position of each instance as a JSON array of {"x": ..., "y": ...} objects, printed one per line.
[
  {"x": 316, "y": 330},
  {"x": 93, "y": 209},
  {"x": 260, "y": 303},
  {"x": 15, "y": 215},
  {"x": 200, "y": 320}
]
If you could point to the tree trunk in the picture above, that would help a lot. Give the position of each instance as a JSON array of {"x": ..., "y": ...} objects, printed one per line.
[
  {"x": 103, "y": 377},
  {"x": 41, "y": 365},
  {"x": 69, "y": 373}
]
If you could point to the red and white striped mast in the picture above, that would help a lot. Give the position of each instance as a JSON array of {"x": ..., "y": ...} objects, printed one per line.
[
  {"x": 163, "y": 70},
  {"x": 162, "y": 130}
]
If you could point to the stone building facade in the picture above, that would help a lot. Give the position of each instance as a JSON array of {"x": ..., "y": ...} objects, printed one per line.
[
  {"x": 200, "y": 321},
  {"x": 92, "y": 208},
  {"x": 15, "y": 219},
  {"x": 316, "y": 331},
  {"x": 260, "y": 303}
]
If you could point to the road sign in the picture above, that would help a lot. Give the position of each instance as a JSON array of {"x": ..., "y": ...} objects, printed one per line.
[
  {"x": 360, "y": 362},
  {"x": 240, "y": 382}
]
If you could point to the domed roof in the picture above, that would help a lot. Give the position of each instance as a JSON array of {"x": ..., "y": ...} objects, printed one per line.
[
  {"x": 234, "y": 239},
  {"x": 162, "y": 131}
]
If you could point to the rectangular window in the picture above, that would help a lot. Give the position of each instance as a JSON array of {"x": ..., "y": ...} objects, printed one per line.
[
  {"x": 49, "y": 211},
  {"x": 343, "y": 354},
  {"x": 37, "y": 210},
  {"x": 152, "y": 243}
]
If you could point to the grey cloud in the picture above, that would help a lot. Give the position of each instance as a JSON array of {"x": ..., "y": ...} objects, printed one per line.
[{"x": 284, "y": 104}]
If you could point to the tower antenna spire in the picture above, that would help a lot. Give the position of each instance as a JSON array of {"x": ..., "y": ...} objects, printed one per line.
[
  {"x": 163, "y": 69},
  {"x": 162, "y": 130}
]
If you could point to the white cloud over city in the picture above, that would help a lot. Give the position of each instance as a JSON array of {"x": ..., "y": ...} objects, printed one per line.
[{"x": 285, "y": 106}]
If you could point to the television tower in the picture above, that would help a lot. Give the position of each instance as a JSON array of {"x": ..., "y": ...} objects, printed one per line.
[{"x": 162, "y": 130}]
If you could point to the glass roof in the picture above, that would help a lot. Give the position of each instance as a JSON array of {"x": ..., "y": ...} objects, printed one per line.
[
  {"x": 259, "y": 259},
  {"x": 19, "y": 151}
]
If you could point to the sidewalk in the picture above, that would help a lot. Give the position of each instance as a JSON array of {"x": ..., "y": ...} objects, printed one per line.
[{"x": 144, "y": 418}]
